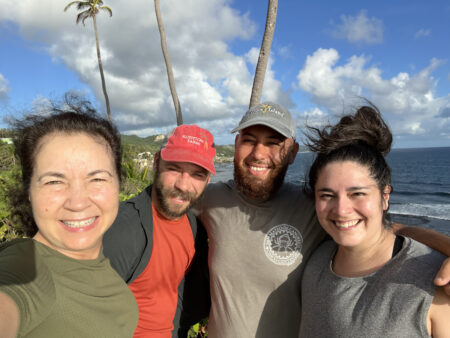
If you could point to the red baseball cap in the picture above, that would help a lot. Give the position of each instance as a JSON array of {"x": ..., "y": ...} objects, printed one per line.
[{"x": 190, "y": 143}]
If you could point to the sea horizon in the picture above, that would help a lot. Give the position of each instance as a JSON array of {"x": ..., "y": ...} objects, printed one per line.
[{"x": 420, "y": 179}]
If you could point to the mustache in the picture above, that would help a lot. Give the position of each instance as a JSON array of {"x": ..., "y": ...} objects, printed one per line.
[
  {"x": 184, "y": 195},
  {"x": 269, "y": 165}
]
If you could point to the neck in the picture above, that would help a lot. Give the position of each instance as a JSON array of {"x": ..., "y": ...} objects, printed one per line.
[{"x": 364, "y": 259}]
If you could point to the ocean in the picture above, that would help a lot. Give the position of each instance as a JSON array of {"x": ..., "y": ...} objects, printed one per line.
[{"x": 420, "y": 178}]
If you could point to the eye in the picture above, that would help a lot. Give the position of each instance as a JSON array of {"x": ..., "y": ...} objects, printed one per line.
[
  {"x": 325, "y": 196},
  {"x": 172, "y": 168},
  {"x": 358, "y": 194},
  {"x": 53, "y": 182},
  {"x": 275, "y": 143},
  {"x": 200, "y": 175},
  {"x": 247, "y": 140},
  {"x": 98, "y": 179}
]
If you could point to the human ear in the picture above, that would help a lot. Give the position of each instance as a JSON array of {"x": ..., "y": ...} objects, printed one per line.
[
  {"x": 156, "y": 161},
  {"x": 293, "y": 153},
  {"x": 386, "y": 194}
]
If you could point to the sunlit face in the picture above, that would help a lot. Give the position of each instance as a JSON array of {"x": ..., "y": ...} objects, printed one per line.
[
  {"x": 74, "y": 193},
  {"x": 177, "y": 186},
  {"x": 261, "y": 159},
  {"x": 349, "y": 204}
]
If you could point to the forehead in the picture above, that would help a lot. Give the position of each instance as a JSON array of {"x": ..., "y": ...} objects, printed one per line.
[
  {"x": 73, "y": 146},
  {"x": 261, "y": 131},
  {"x": 185, "y": 166},
  {"x": 345, "y": 172}
]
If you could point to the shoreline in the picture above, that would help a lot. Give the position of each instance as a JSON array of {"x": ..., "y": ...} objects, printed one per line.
[{"x": 441, "y": 225}]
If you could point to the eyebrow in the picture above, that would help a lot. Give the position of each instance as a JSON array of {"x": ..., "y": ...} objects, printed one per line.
[
  {"x": 60, "y": 175},
  {"x": 349, "y": 189},
  {"x": 99, "y": 171},
  {"x": 275, "y": 135}
]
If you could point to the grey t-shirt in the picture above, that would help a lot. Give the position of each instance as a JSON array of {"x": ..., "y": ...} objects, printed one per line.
[
  {"x": 255, "y": 259},
  {"x": 390, "y": 302}
]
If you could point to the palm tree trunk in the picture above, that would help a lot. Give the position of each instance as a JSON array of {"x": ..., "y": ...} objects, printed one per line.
[
  {"x": 264, "y": 52},
  {"x": 100, "y": 67},
  {"x": 165, "y": 52}
]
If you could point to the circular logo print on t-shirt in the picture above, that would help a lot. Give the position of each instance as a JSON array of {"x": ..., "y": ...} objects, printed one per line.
[{"x": 283, "y": 244}]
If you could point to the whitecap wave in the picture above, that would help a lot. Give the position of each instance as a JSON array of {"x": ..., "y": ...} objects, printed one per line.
[{"x": 438, "y": 211}]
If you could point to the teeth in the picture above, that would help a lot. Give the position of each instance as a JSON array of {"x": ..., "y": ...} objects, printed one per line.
[
  {"x": 258, "y": 168},
  {"x": 79, "y": 224},
  {"x": 346, "y": 224}
]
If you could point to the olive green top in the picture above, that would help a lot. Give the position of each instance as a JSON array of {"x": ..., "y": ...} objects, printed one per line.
[{"x": 59, "y": 296}]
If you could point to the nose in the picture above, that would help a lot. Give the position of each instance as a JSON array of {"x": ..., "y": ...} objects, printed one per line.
[
  {"x": 182, "y": 182},
  {"x": 78, "y": 197},
  {"x": 259, "y": 151},
  {"x": 342, "y": 206}
]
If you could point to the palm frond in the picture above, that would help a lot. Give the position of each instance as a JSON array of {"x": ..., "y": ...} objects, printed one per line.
[
  {"x": 70, "y": 4},
  {"x": 83, "y": 16},
  {"x": 83, "y": 5},
  {"x": 106, "y": 8}
]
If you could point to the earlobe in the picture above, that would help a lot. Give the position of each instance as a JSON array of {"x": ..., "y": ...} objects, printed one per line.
[
  {"x": 386, "y": 195},
  {"x": 293, "y": 152},
  {"x": 236, "y": 139},
  {"x": 155, "y": 161}
]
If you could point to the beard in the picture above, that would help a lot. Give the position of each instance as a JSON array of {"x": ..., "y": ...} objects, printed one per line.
[
  {"x": 257, "y": 188},
  {"x": 163, "y": 195}
]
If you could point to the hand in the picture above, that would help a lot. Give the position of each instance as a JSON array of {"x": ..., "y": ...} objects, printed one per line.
[{"x": 443, "y": 276}]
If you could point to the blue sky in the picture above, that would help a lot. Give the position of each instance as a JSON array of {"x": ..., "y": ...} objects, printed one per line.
[{"x": 325, "y": 55}]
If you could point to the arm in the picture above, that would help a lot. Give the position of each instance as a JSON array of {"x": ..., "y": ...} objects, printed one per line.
[
  {"x": 194, "y": 299},
  {"x": 434, "y": 240},
  {"x": 9, "y": 317},
  {"x": 438, "y": 315},
  {"x": 124, "y": 242}
]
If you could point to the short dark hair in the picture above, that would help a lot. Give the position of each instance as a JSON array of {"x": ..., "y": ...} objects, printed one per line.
[
  {"x": 76, "y": 115},
  {"x": 362, "y": 137}
]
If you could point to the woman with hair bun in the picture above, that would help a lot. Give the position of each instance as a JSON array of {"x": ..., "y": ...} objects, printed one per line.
[{"x": 368, "y": 282}]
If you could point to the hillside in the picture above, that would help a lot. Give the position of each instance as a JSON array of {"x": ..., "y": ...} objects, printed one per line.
[{"x": 134, "y": 144}]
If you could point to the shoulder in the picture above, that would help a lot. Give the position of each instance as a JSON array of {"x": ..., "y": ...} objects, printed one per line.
[
  {"x": 423, "y": 256},
  {"x": 18, "y": 260},
  {"x": 132, "y": 217},
  {"x": 27, "y": 279},
  {"x": 220, "y": 187},
  {"x": 216, "y": 194},
  {"x": 319, "y": 261},
  {"x": 324, "y": 251}
]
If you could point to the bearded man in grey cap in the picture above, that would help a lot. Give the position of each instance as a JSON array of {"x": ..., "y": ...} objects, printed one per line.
[{"x": 260, "y": 231}]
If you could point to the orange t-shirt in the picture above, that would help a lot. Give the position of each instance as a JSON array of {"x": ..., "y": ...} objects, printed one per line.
[{"x": 156, "y": 287}]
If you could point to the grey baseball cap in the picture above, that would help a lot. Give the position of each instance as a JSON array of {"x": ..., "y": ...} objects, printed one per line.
[{"x": 271, "y": 115}]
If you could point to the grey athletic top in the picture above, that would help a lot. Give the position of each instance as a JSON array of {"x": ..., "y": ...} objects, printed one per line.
[{"x": 391, "y": 302}]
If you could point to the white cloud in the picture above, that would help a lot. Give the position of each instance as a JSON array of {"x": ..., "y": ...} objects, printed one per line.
[
  {"x": 4, "y": 88},
  {"x": 359, "y": 29},
  {"x": 211, "y": 81},
  {"x": 422, "y": 33},
  {"x": 407, "y": 100}
]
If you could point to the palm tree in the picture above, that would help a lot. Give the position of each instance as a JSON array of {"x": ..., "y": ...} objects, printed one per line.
[
  {"x": 173, "y": 90},
  {"x": 90, "y": 9},
  {"x": 264, "y": 52}
]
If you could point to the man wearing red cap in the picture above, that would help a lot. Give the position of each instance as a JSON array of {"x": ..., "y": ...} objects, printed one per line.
[{"x": 155, "y": 242}]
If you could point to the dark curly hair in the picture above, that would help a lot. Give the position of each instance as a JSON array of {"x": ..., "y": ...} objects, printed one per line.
[
  {"x": 363, "y": 137},
  {"x": 74, "y": 116}
]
